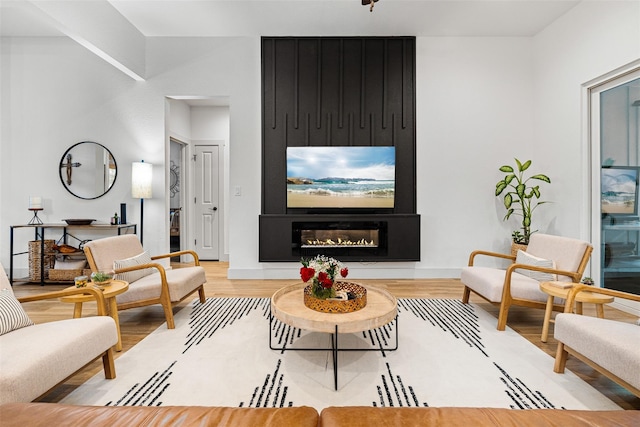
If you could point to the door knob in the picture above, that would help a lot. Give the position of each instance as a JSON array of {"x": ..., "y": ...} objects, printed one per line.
[{"x": 215, "y": 208}]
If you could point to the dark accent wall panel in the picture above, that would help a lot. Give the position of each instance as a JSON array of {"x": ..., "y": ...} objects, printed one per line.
[{"x": 354, "y": 91}]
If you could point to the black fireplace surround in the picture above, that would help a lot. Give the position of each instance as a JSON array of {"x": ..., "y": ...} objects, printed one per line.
[
  {"x": 338, "y": 91},
  {"x": 398, "y": 237}
]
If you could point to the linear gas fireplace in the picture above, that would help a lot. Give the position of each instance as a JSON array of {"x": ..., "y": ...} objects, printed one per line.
[
  {"x": 339, "y": 238},
  {"x": 348, "y": 237}
]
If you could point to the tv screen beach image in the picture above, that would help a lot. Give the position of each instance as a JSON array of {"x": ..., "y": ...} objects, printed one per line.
[{"x": 340, "y": 177}]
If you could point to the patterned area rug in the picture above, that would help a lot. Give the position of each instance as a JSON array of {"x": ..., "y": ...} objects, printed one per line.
[{"x": 449, "y": 354}]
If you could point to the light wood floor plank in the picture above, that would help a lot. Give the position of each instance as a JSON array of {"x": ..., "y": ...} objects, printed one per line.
[{"x": 137, "y": 323}]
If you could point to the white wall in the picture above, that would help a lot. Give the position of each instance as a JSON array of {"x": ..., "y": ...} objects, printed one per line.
[
  {"x": 480, "y": 102},
  {"x": 590, "y": 41},
  {"x": 472, "y": 118},
  {"x": 55, "y": 93}
]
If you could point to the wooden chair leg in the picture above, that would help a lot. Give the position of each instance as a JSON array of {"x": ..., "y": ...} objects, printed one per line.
[
  {"x": 465, "y": 295},
  {"x": 203, "y": 299},
  {"x": 168, "y": 314},
  {"x": 108, "y": 364},
  {"x": 561, "y": 359},
  {"x": 502, "y": 316}
]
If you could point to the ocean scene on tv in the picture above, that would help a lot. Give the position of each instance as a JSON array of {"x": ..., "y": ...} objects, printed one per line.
[
  {"x": 340, "y": 177},
  {"x": 619, "y": 191}
]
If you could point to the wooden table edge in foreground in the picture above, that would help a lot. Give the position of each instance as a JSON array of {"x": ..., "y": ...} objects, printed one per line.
[
  {"x": 582, "y": 297},
  {"x": 115, "y": 287},
  {"x": 287, "y": 305}
]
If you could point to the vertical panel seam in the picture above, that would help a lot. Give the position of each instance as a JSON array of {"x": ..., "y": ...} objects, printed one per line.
[{"x": 296, "y": 86}]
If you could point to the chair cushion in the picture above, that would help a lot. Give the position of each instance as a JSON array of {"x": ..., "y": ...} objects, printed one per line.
[
  {"x": 181, "y": 281},
  {"x": 489, "y": 283},
  {"x": 611, "y": 344},
  {"x": 55, "y": 350},
  {"x": 564, "y": 251},
  {"x": 105, "y": 251},
  {"x": 132, "y": 276},
  {"x": 528, "y": 259},
  {"x": 12, "y": 315}
]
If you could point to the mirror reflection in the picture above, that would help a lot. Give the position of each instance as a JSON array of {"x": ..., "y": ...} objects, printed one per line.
[{"x": 88, "y": 170}]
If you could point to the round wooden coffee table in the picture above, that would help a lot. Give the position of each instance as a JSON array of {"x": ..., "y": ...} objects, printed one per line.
[
  {"x": 287, "y": 305},
  {"x": 562, "y": 292},
  {"x": 115, "y": 287}
]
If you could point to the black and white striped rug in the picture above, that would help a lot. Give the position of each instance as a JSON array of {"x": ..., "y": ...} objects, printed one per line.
[{"x": 449, "y": 354}]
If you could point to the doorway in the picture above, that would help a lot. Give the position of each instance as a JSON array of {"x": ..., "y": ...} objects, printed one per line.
[
  {"x": 176, "y": 199},
  {"x": 194, "y": 123}
]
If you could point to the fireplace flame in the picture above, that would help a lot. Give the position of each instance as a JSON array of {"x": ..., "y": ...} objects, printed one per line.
[{"x": 341, "y": 242}]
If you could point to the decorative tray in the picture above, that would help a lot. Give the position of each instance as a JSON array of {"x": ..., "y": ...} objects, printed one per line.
[
  {"x": 337, "y": 306},
  {"x": 78, "y": 221}
]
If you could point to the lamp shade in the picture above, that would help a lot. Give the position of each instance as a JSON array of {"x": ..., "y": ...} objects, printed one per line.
[{"x": 141, "y": 177}]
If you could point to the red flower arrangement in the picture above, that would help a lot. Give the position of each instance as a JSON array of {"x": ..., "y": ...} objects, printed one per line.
[{"x": 323, "y": 271}]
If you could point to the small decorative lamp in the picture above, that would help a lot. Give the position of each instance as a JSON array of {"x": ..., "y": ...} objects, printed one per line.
[
  {"x": 141, "y": 180},
  {"x": 35, "y": 205}
]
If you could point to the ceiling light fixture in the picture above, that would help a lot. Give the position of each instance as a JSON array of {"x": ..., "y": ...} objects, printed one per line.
[{"x": 371, "y": 2}]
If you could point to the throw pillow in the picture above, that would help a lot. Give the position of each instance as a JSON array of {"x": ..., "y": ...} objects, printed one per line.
[
  {"x": 132, "y": 276},
  {"x": 528, "y": 259},
  {"x": 12, "y": 315}
]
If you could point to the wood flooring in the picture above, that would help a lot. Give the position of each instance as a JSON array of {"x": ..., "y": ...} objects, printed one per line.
[{"x": 137, "y": 323}]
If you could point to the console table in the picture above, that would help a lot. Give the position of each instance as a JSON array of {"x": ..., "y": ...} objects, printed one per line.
[{"x": 62, "y": 229}]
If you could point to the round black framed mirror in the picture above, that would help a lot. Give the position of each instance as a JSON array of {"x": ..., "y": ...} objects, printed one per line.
[{"x": 88, "y": 170}]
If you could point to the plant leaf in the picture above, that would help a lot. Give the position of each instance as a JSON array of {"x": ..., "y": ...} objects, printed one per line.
[
  {"x": 525, "y": 166},
  {"x": 500, "y": 187},
  {"x": 520, "y": 190},
  {"x": 509, "y": 212},
  {"x": 541, "y": 177},
  {"x": 519, "y": 165},
  {"x": 536, "y": 190},
  {"x": 507, "y": 202},
  {"x": 509, "y": 178},
  {"x": 506, "y": 168}
]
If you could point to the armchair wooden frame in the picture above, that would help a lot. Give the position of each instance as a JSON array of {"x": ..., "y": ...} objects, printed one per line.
[
  {"x": 165, "y": 298},
  {"x": 107, "y": 357},
  {"x": 507, "y": 299},
  {"x": 563, "y": 350}
]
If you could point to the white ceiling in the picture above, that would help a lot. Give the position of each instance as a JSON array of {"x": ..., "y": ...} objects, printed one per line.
[{"x": 206, "y": 18}]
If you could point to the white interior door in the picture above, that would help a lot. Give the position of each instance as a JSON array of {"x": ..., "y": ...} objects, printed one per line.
[{"x": 206, "y": 202}]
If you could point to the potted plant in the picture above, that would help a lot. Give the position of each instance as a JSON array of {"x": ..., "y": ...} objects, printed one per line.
[
  {"x": 521, "y": 197},
  {"x": 587, "y": 281}
]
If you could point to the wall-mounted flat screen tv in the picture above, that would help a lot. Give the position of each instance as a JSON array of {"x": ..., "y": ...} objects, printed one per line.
[
  {"x": 341, "y": 177},
  {"x": 620, "y": 190}
]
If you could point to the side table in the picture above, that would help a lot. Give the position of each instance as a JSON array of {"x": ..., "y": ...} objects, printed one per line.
[
  {"x": 115, "y": 287},
  {"x": 560, "y": 292}
]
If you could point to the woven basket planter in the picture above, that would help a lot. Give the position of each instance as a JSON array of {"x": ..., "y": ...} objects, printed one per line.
[{"x": 517, "y": 246}]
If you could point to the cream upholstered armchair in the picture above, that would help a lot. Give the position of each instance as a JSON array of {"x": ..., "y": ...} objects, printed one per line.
[
  {"x": 34, "y": 358},
  {"x": 611, "y": 347},
  {"x": 547, "y": 258},
  {"x": 149, "y": 282}
]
